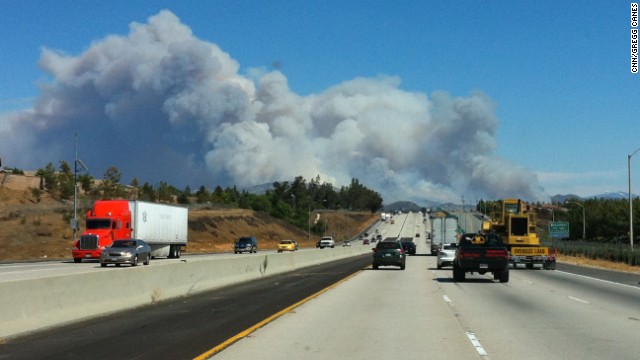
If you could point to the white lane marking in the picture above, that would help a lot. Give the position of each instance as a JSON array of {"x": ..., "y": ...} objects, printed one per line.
[
  {"x": 446, "y": 299},
  {"x": 578, "y": 300},
  {"x": 601, "y": 280},
  {"x": 476, "y": 344}
]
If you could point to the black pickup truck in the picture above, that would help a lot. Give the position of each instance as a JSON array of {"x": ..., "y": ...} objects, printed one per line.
[{"x": 481, "y": 253}]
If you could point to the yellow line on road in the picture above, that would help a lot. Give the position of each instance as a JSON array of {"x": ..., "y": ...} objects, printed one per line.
[{"x": 264, "y": 322}]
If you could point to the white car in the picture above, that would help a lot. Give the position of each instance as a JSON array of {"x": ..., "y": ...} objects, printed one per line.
[
  {"x": 326, "y": 241},
  {"x": 446, "y": 255}
]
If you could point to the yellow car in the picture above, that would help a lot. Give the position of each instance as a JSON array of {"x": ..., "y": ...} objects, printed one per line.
[{"x": 287, "y": 245}]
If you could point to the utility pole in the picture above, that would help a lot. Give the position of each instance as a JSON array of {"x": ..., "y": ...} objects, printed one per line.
[
  {"x": 630, "y": 199},
  {"x": 74, "y": 221}
]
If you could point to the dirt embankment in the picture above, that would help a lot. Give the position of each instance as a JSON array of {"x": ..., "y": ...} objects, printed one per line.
[{"x": 32, "y": 228}]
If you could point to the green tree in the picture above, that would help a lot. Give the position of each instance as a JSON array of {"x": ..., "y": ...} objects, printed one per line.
[
  {"x": 148, "y": 193},
  {"x": 244, "y": 201},
  {"x": 48, "y": 177},
  {"x": 86, "y": 182},
  {"x": 217, "y": 196},
  {"x": 111, "y": 187},
  {"x": 66, "y": 181},
  {"x": 282, "y": 210},
  {"x": 231, "y": 195},
  {"x": 202, "y": 195},
  {"x": 183, "y": 196},
  {"x": 134, "y": 192},
  {"x": 261, "y": 203},
  {"x": 166, "y": 192}
]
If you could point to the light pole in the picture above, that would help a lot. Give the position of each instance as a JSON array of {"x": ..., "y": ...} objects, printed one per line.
[
  {"x": 74, "y": 221},
  {"x": 584, "y": 224},
  {"x": 630, "y": 198}
]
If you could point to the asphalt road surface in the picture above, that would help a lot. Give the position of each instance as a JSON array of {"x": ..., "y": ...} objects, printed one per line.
[
  {"x": 418, "y": 313},
  {"x": 184, "y": 328}
]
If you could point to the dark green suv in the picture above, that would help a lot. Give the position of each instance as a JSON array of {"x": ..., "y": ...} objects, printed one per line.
[{"x": 389, "y": 253}]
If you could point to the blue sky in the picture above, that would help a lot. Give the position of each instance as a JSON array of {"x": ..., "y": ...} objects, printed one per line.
[{"x": 558, "y": 73}]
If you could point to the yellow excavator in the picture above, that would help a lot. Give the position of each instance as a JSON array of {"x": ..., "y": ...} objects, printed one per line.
[{"x": 516, "y": 224}]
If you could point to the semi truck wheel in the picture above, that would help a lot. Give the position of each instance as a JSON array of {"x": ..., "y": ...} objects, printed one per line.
[{"x": 174, "y": 251}]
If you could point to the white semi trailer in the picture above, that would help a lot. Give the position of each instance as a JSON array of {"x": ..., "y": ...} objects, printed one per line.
[{"x": 444, "y": 229}]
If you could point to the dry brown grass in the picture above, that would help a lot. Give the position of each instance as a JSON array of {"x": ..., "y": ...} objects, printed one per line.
[
  {"x": 583, "y": 261},
  {"x": 35, "y": 230}
]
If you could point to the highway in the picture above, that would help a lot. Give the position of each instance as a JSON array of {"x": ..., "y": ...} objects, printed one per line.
[
  {"x": 30, "y": 270},
  {"x": 417, "y": 313},
  {"x": 421, "y": 313}
]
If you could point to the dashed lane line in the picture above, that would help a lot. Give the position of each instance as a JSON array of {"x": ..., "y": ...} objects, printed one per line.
[{"x": 476, "y": 344}]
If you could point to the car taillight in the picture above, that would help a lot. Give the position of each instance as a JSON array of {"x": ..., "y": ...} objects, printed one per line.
[
  {"x": 401, "y": 251},
  {"x": 462, "y": 254},
  {"x": 498, "y": 253}
]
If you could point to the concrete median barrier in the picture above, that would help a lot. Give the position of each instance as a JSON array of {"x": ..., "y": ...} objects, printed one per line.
[{"x": 29, "y": 305}]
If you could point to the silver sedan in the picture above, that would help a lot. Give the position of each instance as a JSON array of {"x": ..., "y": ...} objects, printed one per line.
[
  {"x": 446, "y": 255},
  {"x": 129, "y": 251}
]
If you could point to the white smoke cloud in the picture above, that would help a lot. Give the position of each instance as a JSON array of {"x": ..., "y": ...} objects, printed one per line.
[{"x": 162, "y": 105}]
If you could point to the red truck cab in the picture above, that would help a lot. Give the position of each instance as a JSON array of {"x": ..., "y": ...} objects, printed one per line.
[{"x": 107, "y": 221}]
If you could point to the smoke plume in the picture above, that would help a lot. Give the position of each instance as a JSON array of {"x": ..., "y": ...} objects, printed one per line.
[{"x": 162, "y": 105}]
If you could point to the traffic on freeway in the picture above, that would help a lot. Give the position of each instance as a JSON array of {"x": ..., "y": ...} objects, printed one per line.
[
  {"x": 345, "y": 309},
  {"x": 30, "y": 270}
]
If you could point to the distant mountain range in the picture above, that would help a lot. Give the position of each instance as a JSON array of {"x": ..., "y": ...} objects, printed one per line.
[
  {"x": 259, "y": 189},
  {"x": 406, "y": 206},
  {"x": 620, "y": 195}
]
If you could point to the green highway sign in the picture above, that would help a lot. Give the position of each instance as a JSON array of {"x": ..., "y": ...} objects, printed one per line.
[{"x": 559, "y": 229}]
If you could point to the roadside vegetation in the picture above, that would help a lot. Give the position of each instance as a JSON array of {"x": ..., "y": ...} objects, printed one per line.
[
  {"x": 298, "y": 202},
  {"x": 291, "y": 201},
  {"x": 40, "y": 228}
]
